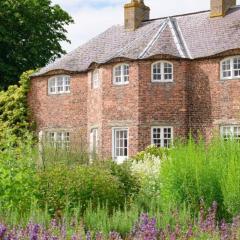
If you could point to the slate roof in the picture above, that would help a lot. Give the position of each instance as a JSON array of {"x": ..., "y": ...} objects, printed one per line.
[{"x": 188, "y": 36}]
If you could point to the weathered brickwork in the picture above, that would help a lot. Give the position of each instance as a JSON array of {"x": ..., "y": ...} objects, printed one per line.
[
  {"x": 197, "y": 101},
  {"x": 162, "y": 104},
  {"x": 61, "y": 111},
  {"x": 212, "y": 102}
]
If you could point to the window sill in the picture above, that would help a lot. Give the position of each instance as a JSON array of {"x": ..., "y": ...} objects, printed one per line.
[
  {"x": 229, "y": 79},
  {"x": 161, "y": 82},
  {"x": 58, "y": 94},
  {"x": 119, "y": 85}
]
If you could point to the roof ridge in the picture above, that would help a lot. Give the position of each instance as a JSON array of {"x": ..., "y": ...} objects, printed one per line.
[
  {"x": 179, "y": 39},
  {"x": 154, "y": 39},
  {"x": 184, "y": 43},
  {"x": 176, "y": 38},
  {"x": 178, "y": 15}
]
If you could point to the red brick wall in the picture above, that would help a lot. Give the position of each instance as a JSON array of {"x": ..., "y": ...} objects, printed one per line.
[
  {"x": 120, "y": 108},
  {"x": 94, "y": 106},
  {"x": 212, "y": 102},
  {"x": 67, "y": 111},
  {"x": 162, "y": 104},
  {"x": 197, "y": 99}
]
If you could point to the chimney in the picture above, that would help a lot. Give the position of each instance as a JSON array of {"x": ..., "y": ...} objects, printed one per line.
[
  {"x": 219, "y": 8},
  {"x": 134, "y": 13}
]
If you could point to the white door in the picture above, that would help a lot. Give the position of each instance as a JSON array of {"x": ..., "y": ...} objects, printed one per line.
[{"x": 120, "y": 144}]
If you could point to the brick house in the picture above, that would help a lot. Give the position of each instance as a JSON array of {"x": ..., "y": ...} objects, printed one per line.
[{"x": 147, "y": 82}]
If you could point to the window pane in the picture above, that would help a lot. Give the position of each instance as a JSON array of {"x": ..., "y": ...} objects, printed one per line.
[
  {"x": 167, "y": 71},
  {"x": 236, "y": 67},
  {"x": 162, "y": 136},
  {"x": 59, "y": 84},
  {"x": 121, "y": 74},
  {"x": 59, "y": 139},
  {"x": 95, "y": 79},
  {"x": 230, "y": 132},
  {"x": 121, "y": 143},
  {"x": 157, "y": 72},
  {"x": 226, "y": 68},
  {"x": 52, "y": 88},
  {"x": 67, "y": 84}
]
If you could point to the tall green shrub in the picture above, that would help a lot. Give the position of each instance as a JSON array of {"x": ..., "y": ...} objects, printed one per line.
[
  {"x": 196, "y": 171},
  {"x": 17, "y": 174},
  {"x": 230, "y": 184}
]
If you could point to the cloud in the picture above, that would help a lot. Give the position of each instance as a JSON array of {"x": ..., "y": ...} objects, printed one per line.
[{"x": 95, "y": 16}]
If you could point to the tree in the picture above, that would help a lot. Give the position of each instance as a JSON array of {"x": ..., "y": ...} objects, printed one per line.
[
  {"x": 14, "y": 112},
  {"x": 30, "y": 35}
]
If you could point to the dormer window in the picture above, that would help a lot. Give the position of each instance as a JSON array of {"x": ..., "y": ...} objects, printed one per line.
[
  {"x": 121, "y": 74},
  {"x": 59, "y": 85},
  {"x": 95, "y": 79},
  {"x": 230, "y": 68},
  {"x": 162, "y": 71}
]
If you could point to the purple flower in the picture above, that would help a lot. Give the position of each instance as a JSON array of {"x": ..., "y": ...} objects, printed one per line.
[
  {"x": 189, "y": 232},
  {"x": 146, "y": 228},
  {"x": 3, "y": 230},
  {"x": 54, "y": 222},
  {"x": 224, "y": 230},
  {"x": 114, "y": 236},
  {"x": 88, "y": 236},
  {"x": 34, "y": 232}
]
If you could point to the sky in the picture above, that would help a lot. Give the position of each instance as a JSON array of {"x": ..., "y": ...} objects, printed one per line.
[{"x": 92, "y": 17}]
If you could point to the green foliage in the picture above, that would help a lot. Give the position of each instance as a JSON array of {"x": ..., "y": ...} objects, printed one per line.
[
  {"x": 17, "y": 175},
  {"x": 230, "y": 184},
  {"x": 54, "y": 156},
  {"x": 30, "y": 36},
  {"x": 195, "y": 171},
  {"x": 147, "y": 171},
  {"x": 14, "y": 114},
  {"x": 130, "y": 183},
  {"x": 152, "y": 150},
  {"x": 121, "y": 221},
  {"x": 60, "y": 187}
]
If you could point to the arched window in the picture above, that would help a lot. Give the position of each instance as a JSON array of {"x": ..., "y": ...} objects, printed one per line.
[
  {"x": 121, "y": 74},
  {"x": 230, "y": 68},
  {"x": 59, "y": 85},
  {"x": 162, "y": 71}
]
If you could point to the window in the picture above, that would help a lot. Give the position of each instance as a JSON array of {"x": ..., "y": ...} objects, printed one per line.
[
  {"x": 230, "y": 132},
  {"x": 59, "y": 85},
  {"x": 120, "y": 144},
  {"x": 94, "y": 141},
  {"x": 230, "y": 68},
  {"x": 121, "y": 74},
  {"x": 59, "y": 139},
  {"x": 162, "y": 136},
  {"x": 95, "y": 79},
  {"x": 162, "y": 72}
]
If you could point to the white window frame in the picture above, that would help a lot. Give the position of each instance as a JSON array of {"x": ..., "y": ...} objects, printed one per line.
[
  {"x": 92, "y": 150},
  {"x": 95, "y": 79},
  {"x": 163, "y": 79},
  {"x": 54, "y": 82},
  {"x": 61, "y": 143},
  {"x": 122, "y": 75},
  {"x": 119, "y": 159},
  {"x": 231, "y": 132},
  {"x": 231, "y": 59},
  {"x": 162, "y": 135}
]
